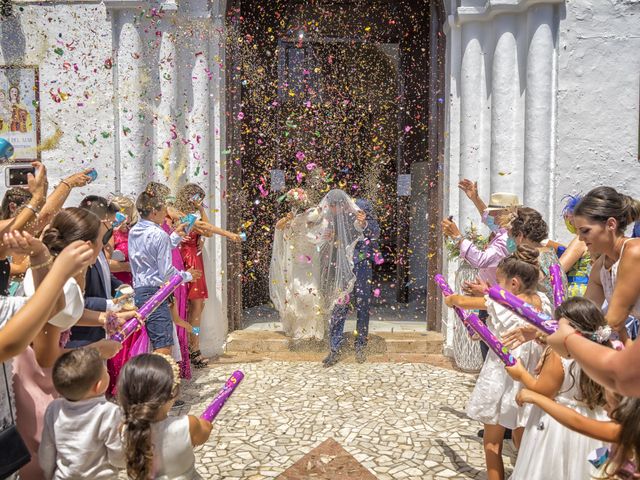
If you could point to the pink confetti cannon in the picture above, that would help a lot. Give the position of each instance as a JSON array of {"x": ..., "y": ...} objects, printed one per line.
[
  {"x": 472, "y": 321},
  {"x": 217, "y": 403},
  {"x": 540, "y": 320},
  {"x": 145, "y": 310},
  {"x": 555, "y": 272}
]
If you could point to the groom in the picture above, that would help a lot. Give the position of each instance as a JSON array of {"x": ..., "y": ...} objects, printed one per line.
[{"x": 363, "y": 256}]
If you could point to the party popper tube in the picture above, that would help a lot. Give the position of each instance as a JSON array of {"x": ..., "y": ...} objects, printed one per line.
[
  {"x": 540, "y": 320},
  {"x": 555, "y": 272},
  {"x": 474, "y": 324},
  {"x": 145, "y": 310},
  {"x": 216, "y": 404},
  {"x": 446, "y": 291}
]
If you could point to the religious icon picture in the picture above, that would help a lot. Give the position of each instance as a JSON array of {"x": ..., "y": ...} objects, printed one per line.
[{"x": 20, "y": 110}]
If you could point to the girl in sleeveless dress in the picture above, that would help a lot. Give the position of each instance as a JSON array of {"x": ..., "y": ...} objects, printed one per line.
[
  {"x": 493, "y": 400},
  {"x": 157, "y": 446},
  {"x": 189, "y": 200},
  {"x": 549, "y": 450},
  {"x": 620, "y": 460}
]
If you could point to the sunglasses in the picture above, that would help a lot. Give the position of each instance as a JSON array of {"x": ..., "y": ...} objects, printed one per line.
[{"x": 108, "y": 234}]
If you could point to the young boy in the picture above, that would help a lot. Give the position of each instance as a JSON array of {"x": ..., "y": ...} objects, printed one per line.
[
  {"x": 81, "y": 437},
  {"x": 150, "y": 259}
]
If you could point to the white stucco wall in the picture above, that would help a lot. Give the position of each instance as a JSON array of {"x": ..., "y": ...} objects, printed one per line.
[
  {"x": 83, "y": 34},
  {"x": 598, "y": 99},
  {"x": 163, "y": 120}
]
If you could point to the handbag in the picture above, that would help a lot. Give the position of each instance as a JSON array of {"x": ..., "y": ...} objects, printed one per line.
[{"x": 13, "y": 452}]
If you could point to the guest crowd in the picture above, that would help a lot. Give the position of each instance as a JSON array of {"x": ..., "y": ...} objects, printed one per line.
[{"x": 76, "y": 404}]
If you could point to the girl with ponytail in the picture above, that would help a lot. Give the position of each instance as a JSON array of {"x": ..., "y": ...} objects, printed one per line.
[
  {"x": 157, "y": 445},
  {"x": 493, "y": 400},
  {"x": 550, "y": 450}
]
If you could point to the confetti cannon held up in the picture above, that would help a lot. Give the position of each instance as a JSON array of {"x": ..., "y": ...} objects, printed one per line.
[
  {"x": 145, "y": 310},
  {"x": 472, "y": 321},
  {"x": 540, "y": 320},
  {"x": 218, "y": 402}
]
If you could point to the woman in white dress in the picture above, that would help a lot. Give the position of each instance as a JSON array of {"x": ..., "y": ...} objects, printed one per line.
[{"x": 312, "y": 262}]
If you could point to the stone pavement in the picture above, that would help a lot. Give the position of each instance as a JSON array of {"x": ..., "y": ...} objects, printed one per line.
[{"x": 398, "y": 420}]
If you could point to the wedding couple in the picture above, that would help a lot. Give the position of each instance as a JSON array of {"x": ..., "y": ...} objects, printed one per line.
[{"x": 321, "y": 258}]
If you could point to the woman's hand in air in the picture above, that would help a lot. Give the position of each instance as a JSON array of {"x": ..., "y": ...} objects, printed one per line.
[
  {"x": 75, "y": 257},
  {"x": 469, "y": 188},
  {"x": 79, "y": 179},
  {"x": 450, "y": 229},
  {"x": 23, "y": 243}
]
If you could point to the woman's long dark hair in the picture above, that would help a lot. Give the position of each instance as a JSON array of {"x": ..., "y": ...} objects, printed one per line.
[
  {"x": 603, "y": 203},
  {"x": 586, "y": 317},
  {"x": 145, "y": 385}
]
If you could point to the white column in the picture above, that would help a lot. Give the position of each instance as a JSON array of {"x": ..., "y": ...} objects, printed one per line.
[
  {"x": 471, "y": 117},
  {"x": 214, "y": 319},
  {"x": 507, "y": 152},
  {"x": 199, "y": 132},
  {"x": 167, "y": 136},
  {"x": 131, "y": 104},
  {"x": 539, "y": 121}
]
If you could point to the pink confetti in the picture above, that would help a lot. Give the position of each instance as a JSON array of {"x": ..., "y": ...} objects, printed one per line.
[
  {"x": 300, "y": 156},
  {"x": 376, "y": 292},
  {"x": 311, "y": 166},
  {"x": 299, "y": 177},
  {"x": 407, "y": 129},
  {"x": 263, "y": 191},
  {"x": 240, "y": 115}
]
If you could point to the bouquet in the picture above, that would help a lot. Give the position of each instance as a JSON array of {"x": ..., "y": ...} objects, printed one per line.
[
  {"x": 470, "y": 233},
  {"x": 297, "y": 198}
]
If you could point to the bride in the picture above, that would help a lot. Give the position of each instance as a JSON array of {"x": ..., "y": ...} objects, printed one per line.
[{"x": 312, "y": 261}]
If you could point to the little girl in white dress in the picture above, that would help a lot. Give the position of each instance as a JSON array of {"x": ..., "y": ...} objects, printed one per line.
[
  {"x": 550, "y": 450},
  {"x": 157, "y": 446},
  {"x": 493, "y": 400}
]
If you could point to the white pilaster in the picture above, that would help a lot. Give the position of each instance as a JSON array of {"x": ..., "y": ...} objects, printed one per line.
[
  {"x": 130, "y": 101},
  {"x": 539, "y": 120}
]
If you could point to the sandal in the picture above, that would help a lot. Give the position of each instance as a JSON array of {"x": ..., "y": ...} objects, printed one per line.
[{"x": 197, "y": 360}]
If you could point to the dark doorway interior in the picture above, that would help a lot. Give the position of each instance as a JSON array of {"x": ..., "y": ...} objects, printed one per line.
[{"x": 336, "y": 94}]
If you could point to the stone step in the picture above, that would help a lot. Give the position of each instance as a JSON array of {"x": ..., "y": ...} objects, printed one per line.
[{"x": 254, "y": 341}]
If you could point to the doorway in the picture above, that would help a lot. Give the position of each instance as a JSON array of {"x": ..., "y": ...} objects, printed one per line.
[{"x": 337, "y": 94}]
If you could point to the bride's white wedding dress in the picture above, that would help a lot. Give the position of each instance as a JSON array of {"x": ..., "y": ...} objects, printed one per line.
[
  {"x": 312, "y": 265},
  {"x": 293, "y": 284}
]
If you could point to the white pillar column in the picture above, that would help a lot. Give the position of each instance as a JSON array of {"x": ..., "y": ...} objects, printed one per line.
[
  {"x": 168, "y": 135},
  {"x": 507, "y": 152},
  {"x": 131, "y": 103},
  {"x": 539, "y": 121},
  {"x": 471, "y": 116},
  {"x": 214, "y": 319}
]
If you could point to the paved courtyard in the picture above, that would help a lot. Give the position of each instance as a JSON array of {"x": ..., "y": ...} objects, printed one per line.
[{"x": 397, "y": 420}]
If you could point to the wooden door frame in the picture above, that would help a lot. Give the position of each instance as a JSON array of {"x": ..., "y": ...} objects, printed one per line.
[{"x": 435, "y": 160}]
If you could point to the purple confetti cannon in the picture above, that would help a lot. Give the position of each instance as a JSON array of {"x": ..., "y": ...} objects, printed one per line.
[
  {"x": 145, "y": 310},
  {"x": 223, "y": 395},
  {"x": 446, "y": 291},
  {"x": 473, "y": 323},
  {"x": 540, "y": 320},
  {"x": 555, "y": 272}
]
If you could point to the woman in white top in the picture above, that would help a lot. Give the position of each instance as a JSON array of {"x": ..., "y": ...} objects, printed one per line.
[
  {"x": 601, "y": 219},
  {"x": 156, "y": 445}
]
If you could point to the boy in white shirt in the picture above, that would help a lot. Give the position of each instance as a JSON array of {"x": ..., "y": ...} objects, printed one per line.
[{"x": 81, "y": 434}]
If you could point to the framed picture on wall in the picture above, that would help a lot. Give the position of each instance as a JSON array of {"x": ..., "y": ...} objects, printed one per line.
[{"x": 20, "y": 110}]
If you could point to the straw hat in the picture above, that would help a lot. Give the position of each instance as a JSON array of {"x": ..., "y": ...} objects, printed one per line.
[{"x": 500, "y": 201}]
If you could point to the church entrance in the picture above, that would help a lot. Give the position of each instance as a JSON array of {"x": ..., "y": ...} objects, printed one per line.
[{"x": 337, "y": 94}]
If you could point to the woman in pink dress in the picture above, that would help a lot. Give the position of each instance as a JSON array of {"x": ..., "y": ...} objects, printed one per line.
[{"x": 119, "y": 265}]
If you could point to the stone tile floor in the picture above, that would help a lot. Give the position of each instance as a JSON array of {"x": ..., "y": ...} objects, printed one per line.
[{"x": 399, "y": 420}]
